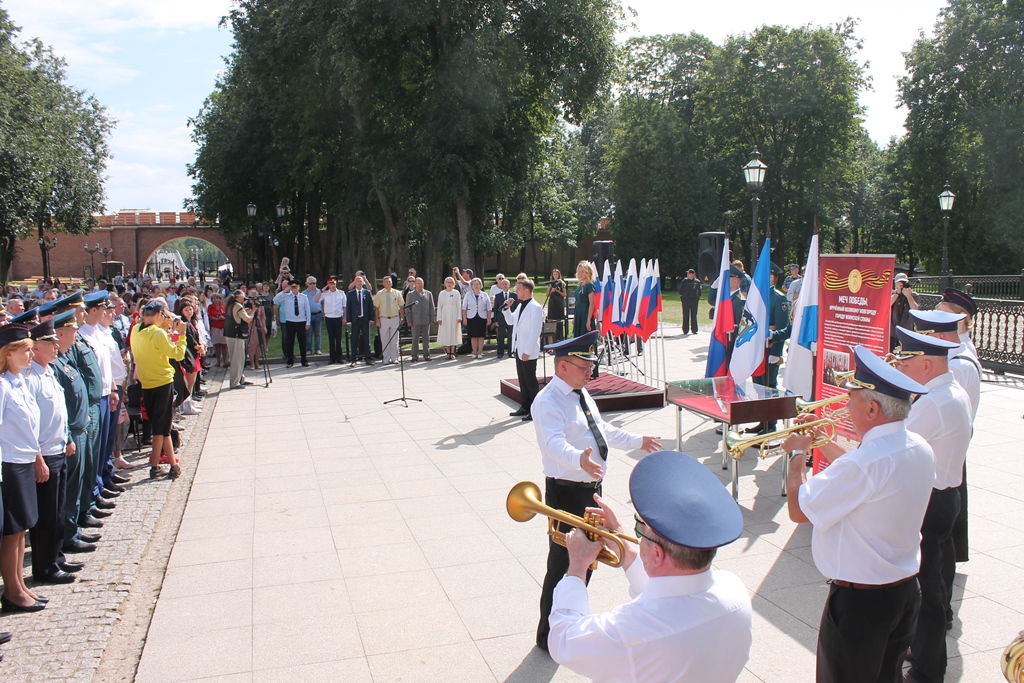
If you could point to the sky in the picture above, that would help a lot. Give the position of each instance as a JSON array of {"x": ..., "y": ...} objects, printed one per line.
[{"x": 152, "y": 63}]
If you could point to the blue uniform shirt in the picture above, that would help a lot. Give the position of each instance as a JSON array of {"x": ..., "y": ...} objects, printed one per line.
[{"x": 53, "y": 412}]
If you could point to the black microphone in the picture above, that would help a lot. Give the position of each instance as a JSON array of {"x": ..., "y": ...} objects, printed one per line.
[{"x": 410, "y": 305}]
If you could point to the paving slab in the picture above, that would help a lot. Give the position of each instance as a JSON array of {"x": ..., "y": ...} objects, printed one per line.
[{"x": 331, "y": 537}]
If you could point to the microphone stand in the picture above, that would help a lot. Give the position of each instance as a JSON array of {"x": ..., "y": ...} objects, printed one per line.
[{"x": 401, "y": 364}]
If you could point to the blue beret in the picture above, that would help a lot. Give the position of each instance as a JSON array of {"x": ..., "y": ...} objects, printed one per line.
[
  {"x": 65, "y": 319},
  {"x": 99, "y": 298},
  {"x": 584, "y": 346},
  {"x": 27, "y": 318},
  {"x": 955, "y": 296},
  {"x": 875, "y": 374},
  {"x": 930, "y": 322},
  {"x": 43, "y": 332},
  {"x": 12, "y": 333},
  {"x": 683, "y": 502},
  {"x": 916, "y": 344}
]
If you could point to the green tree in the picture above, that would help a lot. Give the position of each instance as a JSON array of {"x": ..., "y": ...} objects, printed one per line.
[
  {"x": 965, "y": 96},
  {"x": 53, "y": 146}
]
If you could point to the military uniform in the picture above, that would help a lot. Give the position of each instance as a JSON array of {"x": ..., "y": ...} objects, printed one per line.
[
  {"x": 76, "y": 396},
  {"x": 85, "y": 361}
]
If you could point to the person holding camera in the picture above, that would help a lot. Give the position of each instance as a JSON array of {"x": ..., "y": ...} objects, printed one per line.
[
  {"x": 903, "y": 300},
  {"x": 236, "y": 331},
  {"x": 153, "y": 345}
]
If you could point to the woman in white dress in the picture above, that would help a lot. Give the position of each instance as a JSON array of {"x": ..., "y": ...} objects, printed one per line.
[{"x": 449, "y": 317}]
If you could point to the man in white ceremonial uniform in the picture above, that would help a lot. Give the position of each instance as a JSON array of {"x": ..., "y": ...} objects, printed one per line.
[
  {"x": 866, "y": 507},
  {"x": 687, "y": 622},
  {"x": 527, "y": 321},
  {"x": 573, "y": 442},
  {"x": 943, "y": 418}
]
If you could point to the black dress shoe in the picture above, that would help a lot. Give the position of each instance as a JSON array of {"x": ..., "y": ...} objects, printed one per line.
[
  {"x": 527, "y": 418},
  {"x": 89, "y": 538},
  {"x": 113, "y": 487},
  {"x": 78, "y": 547},
  {"x": 118, "y": 479},
  {"x": 55, "y": 577},
  {"x": 101, "y": 513},
  {"x": 288, "y": 365},
  {"x": 91, "y": 522},
  {"x": 8, "y": 606},
  {"x": 756, "y": 429},
  {"x": 305, "y": 365},
  {"x": 5, "y": 637},
  {"x": 109, "y": 494},
  {"x": 519, "y": 413},
  {"x": 71, "y": 567}
]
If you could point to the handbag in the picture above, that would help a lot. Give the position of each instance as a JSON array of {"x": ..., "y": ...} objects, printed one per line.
[{"x": 122, "y": 416}]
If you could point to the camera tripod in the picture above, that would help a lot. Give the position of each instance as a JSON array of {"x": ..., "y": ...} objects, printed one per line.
[{"x": 261, "y": 335}]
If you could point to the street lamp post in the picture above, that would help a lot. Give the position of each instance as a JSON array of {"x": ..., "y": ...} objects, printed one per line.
[
  {"x": 753, "y": 174},
  {"x": 92, "y": 259},
  {"x": 946, "y": 199},
  {"x": 45, "y": 245}
]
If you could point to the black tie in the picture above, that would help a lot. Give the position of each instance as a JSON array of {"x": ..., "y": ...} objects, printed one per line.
[
  {"x": 296, "y": 305},
  {"x": 602, "y": 445}
]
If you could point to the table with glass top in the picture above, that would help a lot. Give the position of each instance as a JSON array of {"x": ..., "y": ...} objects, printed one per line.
[{"x": 722, "y": 400}]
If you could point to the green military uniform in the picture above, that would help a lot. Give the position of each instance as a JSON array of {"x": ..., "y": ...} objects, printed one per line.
[
  {"x": 85, "y": 361},
  {"x": 780, "y": 325},
  {"x": 738, "y": 303},
  {"x": 76, "y": 396}
]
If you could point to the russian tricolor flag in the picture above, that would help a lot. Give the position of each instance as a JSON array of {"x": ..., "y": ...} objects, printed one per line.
[
  {"x": 724, "y": 323},
  {"x": 607, "y": 295}
]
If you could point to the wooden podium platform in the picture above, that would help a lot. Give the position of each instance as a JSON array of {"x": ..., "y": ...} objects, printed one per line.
[{"x": 610, "y": 392}]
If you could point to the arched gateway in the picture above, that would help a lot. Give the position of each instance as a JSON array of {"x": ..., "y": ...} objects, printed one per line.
[{"x": 127, "y": 236}]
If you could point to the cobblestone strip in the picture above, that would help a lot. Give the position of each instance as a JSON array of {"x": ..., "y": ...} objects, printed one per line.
[{"x": 95, "y": 628}]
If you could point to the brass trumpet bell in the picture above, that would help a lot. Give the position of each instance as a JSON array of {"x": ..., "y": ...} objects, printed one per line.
[
  {"x": 1013, "y": 660},
  {"x": 768, "y": 445},
  {"x": 810, "y": 406},
  {"x": 524, "y": 502}
]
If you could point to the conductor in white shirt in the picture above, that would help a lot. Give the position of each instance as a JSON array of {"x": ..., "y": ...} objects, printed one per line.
[
  {"x": 687, "y": 622},
  {"x": 527, "y": 321}
]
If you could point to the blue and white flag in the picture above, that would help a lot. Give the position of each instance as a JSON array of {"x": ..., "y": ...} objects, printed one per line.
[
  {"x": 798, "y": 375},
  {"x": 748, "y": 354}
]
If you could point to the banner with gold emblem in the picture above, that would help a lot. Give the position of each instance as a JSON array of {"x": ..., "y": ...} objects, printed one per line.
[{"x": 853, "y": 308}]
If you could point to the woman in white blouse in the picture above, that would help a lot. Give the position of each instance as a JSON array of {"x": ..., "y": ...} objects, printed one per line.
[
  {"x": 449, "y": 318},
  {"x": 476, "y": 316},
  {"x": 22, "y": 467}
]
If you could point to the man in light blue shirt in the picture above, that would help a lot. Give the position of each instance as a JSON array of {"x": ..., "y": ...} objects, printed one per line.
[
  {"x": 316, "y": 315},
  {"x": 295, "y": 309}
]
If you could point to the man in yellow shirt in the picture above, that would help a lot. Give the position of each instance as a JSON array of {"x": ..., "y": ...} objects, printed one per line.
[{"x": 389, "y": 306}]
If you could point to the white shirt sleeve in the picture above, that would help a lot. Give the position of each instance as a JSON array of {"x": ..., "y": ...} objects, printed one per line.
[
  {"x": 589, "y": 644},
  {"x": 549, "y": 423},
  {"x": 833, "y": 493}
]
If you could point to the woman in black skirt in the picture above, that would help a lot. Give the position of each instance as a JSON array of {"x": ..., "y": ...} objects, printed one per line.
[{"x": 22, "y": 467}]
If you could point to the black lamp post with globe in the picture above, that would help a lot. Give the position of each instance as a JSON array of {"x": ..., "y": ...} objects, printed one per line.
[
  {"x": 754, "y": 173},
  {"x": 946, "y": 199}
]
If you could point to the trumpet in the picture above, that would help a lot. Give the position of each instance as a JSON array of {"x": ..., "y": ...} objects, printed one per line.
[
  {"x": 524, "y": 502},
  {"x": 735, "y": 443},
  {"x": 810, "y": 406},
  {"x": 1013, "y": 660}
]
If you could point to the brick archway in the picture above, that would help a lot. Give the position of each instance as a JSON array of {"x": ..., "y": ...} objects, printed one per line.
[{"x": 132, "y": 235}]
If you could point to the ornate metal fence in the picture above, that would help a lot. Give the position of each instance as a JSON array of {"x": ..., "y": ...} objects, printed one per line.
[
  {"x": 998, "y": 332},
  {"x": 984, "y": 286}
]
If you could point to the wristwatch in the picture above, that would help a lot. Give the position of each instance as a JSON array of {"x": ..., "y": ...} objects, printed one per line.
[{"x": 795, "y": 452}]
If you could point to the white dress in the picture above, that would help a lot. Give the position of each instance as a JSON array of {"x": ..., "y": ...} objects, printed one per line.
[{"x": 449, "y": 315}]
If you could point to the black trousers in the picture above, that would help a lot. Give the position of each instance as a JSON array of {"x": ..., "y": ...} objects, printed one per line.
[
  {"x": 360, "y": 339},
  {"x": 73, "y": 489},
  {"x": 335, "y": 333},
  {"x": 47, "y": 535},
  {"x": 526, "y": 371},
  {"x": 574, "y": 500},
  {"x": 960, "y": 526},
  {"x": 929, "y": 646},
  {"x": 293, "y": 330},
  {"x": 769, "y": 379},
  {"x": 504, "y": 335},
  {"x": 690, "y": 316},
  {"x": 864, "y": 633}
]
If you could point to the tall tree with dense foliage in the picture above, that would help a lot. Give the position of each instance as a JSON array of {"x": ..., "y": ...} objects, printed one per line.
[
  {"x": 53, "y": 146},
  {"x": 965, "y": 96}
]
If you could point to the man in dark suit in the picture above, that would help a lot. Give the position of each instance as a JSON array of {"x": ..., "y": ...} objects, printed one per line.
[
  {"x": 504, "y": 330},
  {"x": 359, "y": 317}
]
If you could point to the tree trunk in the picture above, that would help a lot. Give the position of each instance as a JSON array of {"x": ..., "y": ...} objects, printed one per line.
[
  {"x": 433, "y": 269},
  {"x": 298, "y": 264},
  {"x": 8, "y": 247},
  {"x": 316, "y": 266},
  {"x": 464, "y": 219},
  {"x": 331, "y": 248}
]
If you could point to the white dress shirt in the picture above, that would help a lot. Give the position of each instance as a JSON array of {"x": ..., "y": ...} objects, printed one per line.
[
  {"x": 118, "y": 371},
  {"x": 19, "y": 420},
  {"x": 694, "y": 629},
  {"x": 527, "y": 324},
  {"x": 53, "y": 411},
  {"x": 94, "y": 337},
  {"x": 333, "y": 302},
  {"x": 563, "y": 433},
  {"x": 943, "y": 418},
  {"x": 868, "y": 505},
  {"x": 286, "y": 300},
  {"x": 966, "y": 370},
  {"x": 966, "y": 340}
]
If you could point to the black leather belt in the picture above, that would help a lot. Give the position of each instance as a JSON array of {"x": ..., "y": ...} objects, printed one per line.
[
  {"x": 575, "y": 484},
  {"x": 868, "y": 586}
]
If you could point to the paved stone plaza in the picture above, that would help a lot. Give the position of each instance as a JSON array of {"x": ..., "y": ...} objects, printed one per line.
[{"x": 328, "y": 537}]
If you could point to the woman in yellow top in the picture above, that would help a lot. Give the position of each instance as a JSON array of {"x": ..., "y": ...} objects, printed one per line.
[{"x": 152, "y": 348}]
